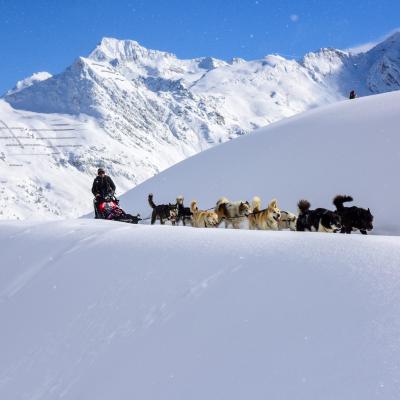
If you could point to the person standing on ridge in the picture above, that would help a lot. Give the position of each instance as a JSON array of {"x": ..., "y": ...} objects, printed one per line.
[
  {"x": 102, "y": 187},
  {"x": 352, "y": 95}
]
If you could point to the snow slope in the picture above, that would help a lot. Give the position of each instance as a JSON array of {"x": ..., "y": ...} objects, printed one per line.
[
  {"x": 148, "y": 110},
  {"x": 48, "y": 161},
  {"x": 351, "y": 147},
  {"x": 97, "y": 310}
]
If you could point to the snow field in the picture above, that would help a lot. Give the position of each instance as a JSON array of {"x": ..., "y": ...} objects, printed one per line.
[{"x": 93, "y": 309}]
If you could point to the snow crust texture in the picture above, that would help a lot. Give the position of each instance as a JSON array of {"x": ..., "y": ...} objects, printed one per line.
[{"x": 141, "y": 111}]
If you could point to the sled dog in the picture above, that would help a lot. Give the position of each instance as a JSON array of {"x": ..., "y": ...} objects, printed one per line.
[
  {"x": 318, "y": 220},
  {"x": 162, "y": 212},
  {"x": 203, "y": 219},
  {"x": 353, "y": 218},
  {"x": 287, "y": 221},
  {"x": 184, "y": 213},
  {"x": 267, "y": 219},
  {"x": 232, "y": 212}
]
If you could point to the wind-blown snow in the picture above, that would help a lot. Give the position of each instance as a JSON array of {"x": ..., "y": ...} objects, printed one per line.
[
  {"x": 100, "y": 310},
  {"x": 36, "y": 77},
  {"x": 364, "y": 47},
  {"x": 351, "y": 147},
  {"x": 149, "y": 110}
]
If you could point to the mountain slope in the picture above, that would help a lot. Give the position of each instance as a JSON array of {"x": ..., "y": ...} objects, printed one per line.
[
  {"x": 48, "y": 161},
  {"x": 351, "y": 147},
  {"x": 150, "y": 109},
  {"x": 178, "y": 313}
]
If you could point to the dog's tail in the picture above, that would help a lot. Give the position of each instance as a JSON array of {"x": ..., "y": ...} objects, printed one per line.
[
  {"x": 340, "y": 199},
  {"x": 151, "y": 202},
  {"x": 273, "y": 204},
  {"x": 256, "y": 204},
  {"x": 304, "y": 206},
  {"x": 222, "y": 200},
  {"x": 193, "y": 206}
]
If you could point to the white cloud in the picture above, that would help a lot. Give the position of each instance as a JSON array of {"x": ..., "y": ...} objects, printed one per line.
[{"x": 294, "y": 17}]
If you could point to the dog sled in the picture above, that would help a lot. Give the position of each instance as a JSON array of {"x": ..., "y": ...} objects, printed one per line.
[{"x": 108, "y": 208}]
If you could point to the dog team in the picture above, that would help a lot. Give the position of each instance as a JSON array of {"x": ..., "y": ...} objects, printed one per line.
[{"x": 234, "y": 213}]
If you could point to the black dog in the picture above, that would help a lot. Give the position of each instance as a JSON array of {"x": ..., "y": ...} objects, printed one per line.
[
  {"x": 318, "y": 220},
  {"x": 163, "y": 212},
  {"x": 184, "y": 213},
  {"x": 353, "y": 217}
]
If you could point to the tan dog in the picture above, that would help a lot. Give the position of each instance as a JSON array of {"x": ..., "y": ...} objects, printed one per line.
[
  {"x": 203, "y": 219},
  {"x": 287, "y": 221},
  {"x": 233, "y": 212},
  {"x": 267, "y": 219}
]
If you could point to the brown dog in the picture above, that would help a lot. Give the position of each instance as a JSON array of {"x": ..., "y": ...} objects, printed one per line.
[
  {"x": 203, "y": 219},
  {"x": 267, "y": 219}
]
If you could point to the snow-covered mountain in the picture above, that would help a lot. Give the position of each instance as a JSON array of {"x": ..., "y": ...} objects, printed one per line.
[{"x": 140, "y": 111}]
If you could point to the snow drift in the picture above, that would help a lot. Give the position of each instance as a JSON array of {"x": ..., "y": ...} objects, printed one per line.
[
  {"x": 351, "y": 147},
  {"x": 100, "y": 310}
]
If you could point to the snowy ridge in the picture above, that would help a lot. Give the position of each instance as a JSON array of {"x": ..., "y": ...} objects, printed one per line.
[
  {"x": 350, "y": 147},
  {"x": 152, "y": 110},
  {"x": 178, "y": 313}
]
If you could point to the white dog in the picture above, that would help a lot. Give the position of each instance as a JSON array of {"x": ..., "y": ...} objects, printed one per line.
[
  {"x": 232, "y": 212},
  {"x": 287, "y": 221}
]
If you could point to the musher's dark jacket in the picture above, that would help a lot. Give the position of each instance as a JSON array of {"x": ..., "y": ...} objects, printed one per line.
[{"x": 103, "y": 185}]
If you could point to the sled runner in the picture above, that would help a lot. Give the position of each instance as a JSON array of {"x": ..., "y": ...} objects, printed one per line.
[{"x": 108, "y": 208}]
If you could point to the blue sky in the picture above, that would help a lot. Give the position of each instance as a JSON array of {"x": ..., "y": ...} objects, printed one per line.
[{"x": 47, "y": 35}]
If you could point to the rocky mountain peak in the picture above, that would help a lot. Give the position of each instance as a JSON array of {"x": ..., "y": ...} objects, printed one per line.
[{"x": 111, "y": 49}]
